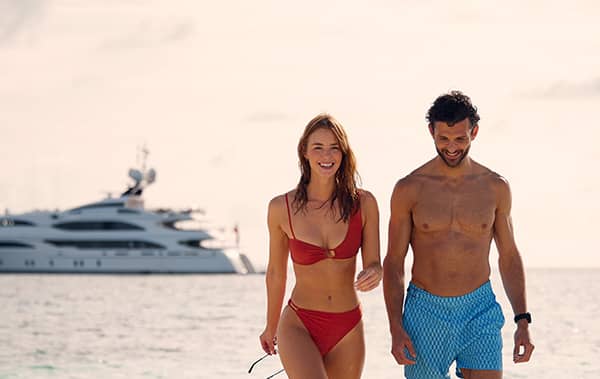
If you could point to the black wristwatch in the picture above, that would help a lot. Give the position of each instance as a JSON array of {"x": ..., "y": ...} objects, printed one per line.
[{"x": 521, "y": 316}]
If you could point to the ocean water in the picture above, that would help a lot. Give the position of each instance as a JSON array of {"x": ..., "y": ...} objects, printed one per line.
[{"x": 207, "y": 326}]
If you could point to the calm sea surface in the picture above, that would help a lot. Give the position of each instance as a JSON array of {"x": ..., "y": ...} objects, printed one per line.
[{"x": 195, "y": 326}]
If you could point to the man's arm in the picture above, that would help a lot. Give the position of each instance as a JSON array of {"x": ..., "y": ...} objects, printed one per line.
[
  {"x": 511, "y": 270},
  {"x": 400, "y": 228}
]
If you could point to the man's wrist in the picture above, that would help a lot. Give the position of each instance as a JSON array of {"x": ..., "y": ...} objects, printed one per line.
[
  {"x": 397, "y": 328},
  {"x": 523, "y": 318}
]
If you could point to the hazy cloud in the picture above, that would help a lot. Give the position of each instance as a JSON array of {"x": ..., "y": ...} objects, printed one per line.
[
  {"x": 146, "y": 34},
  {"x": 262, "y": 117},
  {"x": 566, "y": 90},
  {"x": 180, "y": 32},
  {"x": 217, "y": 161},
  {"x": 17, "y": 15}
]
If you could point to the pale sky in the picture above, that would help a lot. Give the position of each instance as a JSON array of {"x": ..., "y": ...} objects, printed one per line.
[{"x": 221, "y": 91}]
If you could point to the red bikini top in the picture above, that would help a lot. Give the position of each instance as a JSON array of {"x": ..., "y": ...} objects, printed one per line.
[{"x": 304, "y": 253}]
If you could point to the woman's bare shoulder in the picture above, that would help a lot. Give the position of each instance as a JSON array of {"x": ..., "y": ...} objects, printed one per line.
[
  {"x": 366, "y": 197},
  {"x": 368, "y": 202},
  {"x": 278, "y": 203}
]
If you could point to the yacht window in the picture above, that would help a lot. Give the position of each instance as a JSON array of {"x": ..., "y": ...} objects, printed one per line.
[
  {"x": 187, "y": 225},
  {"x": 97, "y": 225},
  {"x": 14, "y": 222},
  {"x": 191, "y": 243},
  {"x": 5, "y": 244},
  {"x": 207, "y": 244},
  {"x": 101, "y": 205},
  {"x": 127, "y": 210},
  {"x": 111, "y": 244}
]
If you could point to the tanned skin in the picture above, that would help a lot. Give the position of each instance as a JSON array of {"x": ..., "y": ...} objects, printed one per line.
[
  {"x": 329, "y": 285},
  {"x": 449, "y": 210}
]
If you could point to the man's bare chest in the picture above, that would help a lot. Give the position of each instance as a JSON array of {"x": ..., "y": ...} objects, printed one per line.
[{"x": 467, "y": 207}]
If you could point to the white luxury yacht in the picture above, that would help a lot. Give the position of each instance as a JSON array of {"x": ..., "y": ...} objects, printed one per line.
[{"x": 117, "y": 235}]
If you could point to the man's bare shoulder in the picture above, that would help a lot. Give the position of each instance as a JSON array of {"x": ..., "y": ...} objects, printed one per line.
[
  {"x": 409, "y": 182},
  {"x": 495, "y": 179},
  {"x": 426, "y": 169},
  {"x": 407, "y": 188},
  {"x": 496, "y": 182},
  {"x": 500, "y": 186},
  {"x": 499, "y": 181},
  {"x": 482, "y": 171}
]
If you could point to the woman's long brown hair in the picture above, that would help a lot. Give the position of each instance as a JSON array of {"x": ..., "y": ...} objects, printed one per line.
[{"x": 346, "y": 177}]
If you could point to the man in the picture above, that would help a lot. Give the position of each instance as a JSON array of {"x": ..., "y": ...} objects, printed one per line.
[{"x": 449, "y": 210}]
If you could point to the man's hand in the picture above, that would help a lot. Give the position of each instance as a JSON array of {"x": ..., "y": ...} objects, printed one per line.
[
  {"x": 401, "y": 344},
  {"x": 522, "y": 340}
]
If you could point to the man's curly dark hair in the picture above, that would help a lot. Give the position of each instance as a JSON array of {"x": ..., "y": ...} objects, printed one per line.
[{"x": 451, "y": 108}]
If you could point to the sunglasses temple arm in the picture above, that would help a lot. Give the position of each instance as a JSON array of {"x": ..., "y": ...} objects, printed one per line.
[
  {"x": 278, "y": 372},
  {"x": 254, "y": 364}
]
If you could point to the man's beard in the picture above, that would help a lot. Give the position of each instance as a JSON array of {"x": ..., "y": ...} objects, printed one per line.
[{"x": 456, "y": 162}]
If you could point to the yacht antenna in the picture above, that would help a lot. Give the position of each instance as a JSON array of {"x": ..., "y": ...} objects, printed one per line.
[
  {"x": 145, "y": 153},
  {"x": 236, "y": 230},
  {"x": 142, "y": 156}
]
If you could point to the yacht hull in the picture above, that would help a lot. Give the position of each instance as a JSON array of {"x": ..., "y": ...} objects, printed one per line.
[{"x": 209, "y": 263}]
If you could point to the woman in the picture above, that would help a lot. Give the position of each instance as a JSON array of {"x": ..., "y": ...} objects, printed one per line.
[{"x": 322, "y": 224}]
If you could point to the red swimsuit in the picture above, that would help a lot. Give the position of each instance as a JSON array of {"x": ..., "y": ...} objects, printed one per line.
[{"x": 326, "y": 328}]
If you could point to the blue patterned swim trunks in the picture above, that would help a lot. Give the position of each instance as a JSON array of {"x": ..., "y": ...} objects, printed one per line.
[{"x": 465, "y": 329}]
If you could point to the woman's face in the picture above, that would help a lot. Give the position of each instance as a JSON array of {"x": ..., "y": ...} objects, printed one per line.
[{"x": 323, "y": 153}]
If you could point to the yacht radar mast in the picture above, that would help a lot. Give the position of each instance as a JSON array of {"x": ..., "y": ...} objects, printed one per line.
[{"x": 142, "y": 178}]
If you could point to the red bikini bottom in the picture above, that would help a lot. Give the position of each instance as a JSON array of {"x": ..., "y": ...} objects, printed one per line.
[{"x": 327, "y": 328}]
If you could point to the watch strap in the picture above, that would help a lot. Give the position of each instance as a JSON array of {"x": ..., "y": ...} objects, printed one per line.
[{"x": 521, "y": 316}]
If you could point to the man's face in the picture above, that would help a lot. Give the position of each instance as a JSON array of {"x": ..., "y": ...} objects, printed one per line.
[{"x": 453, "y": 142}]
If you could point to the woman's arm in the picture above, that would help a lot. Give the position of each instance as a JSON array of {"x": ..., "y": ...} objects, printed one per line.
[
  {"x": 370, "y": 276},
  {"x": 276, "y": 274}
]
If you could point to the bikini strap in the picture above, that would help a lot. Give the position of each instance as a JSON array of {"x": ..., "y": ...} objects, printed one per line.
[
  {"x": 293, "y": 305},
  {"x": 287, "y": 203}
]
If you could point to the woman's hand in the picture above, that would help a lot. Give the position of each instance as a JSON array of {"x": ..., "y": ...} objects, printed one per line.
[
  {"x": 368, "y": 278},
  {"x": 268, "y": 340}
]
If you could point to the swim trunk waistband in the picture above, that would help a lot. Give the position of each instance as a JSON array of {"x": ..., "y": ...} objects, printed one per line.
[{"x": 476, "y": 296}]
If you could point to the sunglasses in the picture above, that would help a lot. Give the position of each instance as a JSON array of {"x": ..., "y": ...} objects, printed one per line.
[{"x": 260, "y": 359}]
